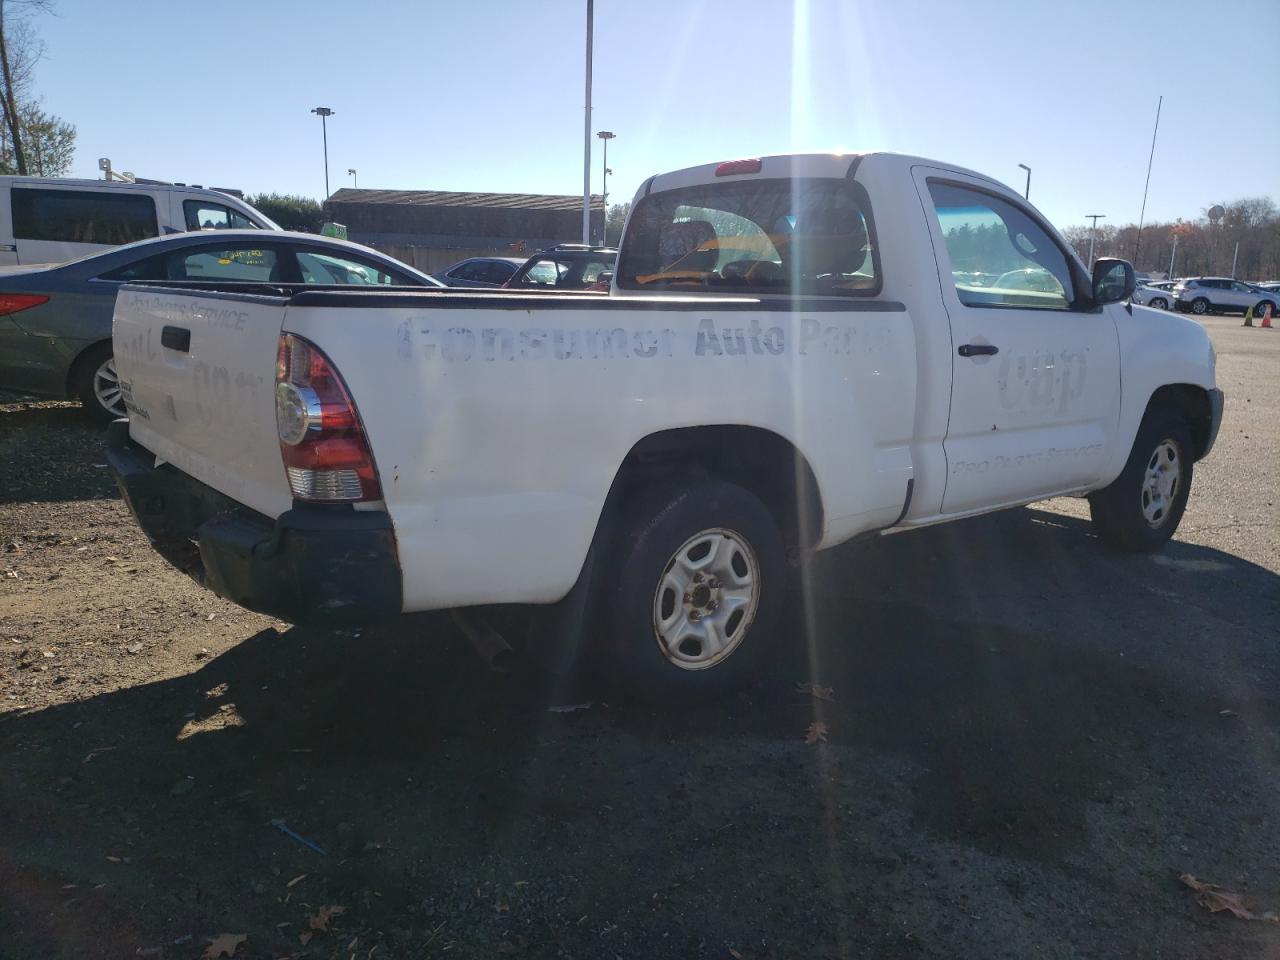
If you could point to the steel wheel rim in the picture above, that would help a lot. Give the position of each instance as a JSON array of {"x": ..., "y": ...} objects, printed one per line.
[
  {"x": 1199, "y": 307},
  {"x": 106, "y": 387},
  {"x": 706, "y": 599},
  {"x": 1161, "y": 483},
  {"x": 1159, "y": 304}
]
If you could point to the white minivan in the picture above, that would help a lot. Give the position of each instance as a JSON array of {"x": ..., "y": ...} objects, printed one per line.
[{"x": 52, "y": 221}]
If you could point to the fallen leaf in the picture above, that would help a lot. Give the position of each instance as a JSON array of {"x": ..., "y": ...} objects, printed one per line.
[
  {"x": 1215, "y": 899},
  {"x": 224, "y": 945},
  {"x": 816, "y": 691},
  {"x": 296, "y": 880},
  {"x": 817, "y": 733},
  {"x": 305, "y": 937},
  {"x": 1228, "y": 714},
  {"x": 321, "y": 920},
  {"x": 735, "y": 954}
]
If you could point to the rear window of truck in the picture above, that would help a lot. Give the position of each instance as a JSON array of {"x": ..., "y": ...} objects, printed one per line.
[
  {"x": 810, "y": 237},
  {"x": 82, "y": 216}
]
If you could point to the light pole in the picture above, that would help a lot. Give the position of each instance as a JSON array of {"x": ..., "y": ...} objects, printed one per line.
[
  {"x": 586, "y": 137},
  {"x": 606, "y": 136},
  {"x": 1026, "y": 195},
  {"x": 324, "y": 113},
  {"x": 1093, "y": 233},
  {"x": 1172, "y": 255},
  {"x": 354, "y": 181}
]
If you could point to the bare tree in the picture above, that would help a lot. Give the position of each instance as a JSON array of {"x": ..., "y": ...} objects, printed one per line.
[{"x": 20, "y": 48}]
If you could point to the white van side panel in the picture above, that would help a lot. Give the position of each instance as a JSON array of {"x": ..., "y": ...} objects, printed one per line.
[{"x": 497, "y": 433}]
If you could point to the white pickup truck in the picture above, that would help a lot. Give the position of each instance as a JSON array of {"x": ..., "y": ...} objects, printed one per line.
[{"x": 796, "y": 350}]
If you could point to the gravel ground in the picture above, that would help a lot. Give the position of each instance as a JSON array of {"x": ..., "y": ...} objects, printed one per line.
[{"x": 1030, "y": 739}]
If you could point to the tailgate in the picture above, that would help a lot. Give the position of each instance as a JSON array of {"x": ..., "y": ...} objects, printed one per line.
[{"x": 198, "y": 375}]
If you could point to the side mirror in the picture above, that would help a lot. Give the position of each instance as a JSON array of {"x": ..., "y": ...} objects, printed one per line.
[{"x": 1113, "y": 280}]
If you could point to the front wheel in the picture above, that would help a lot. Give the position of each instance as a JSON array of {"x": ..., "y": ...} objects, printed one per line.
[
  {"x": 1160, "y": 303},
  {"x": 697, "y": 586},
  {"x": 97, "y": 384},
  {"x": 1141, "y": 509}
]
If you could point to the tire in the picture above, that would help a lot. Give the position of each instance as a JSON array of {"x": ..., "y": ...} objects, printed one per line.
[
  {"x": 1142, "y": 508},
  {"x": 1200, "y": 306},
  {"x": 95, "y": 383},
  {"x": 1159, "y": 303},
  {"x": 1257, "y": 311},
  {"x": 683, "y": 554}
]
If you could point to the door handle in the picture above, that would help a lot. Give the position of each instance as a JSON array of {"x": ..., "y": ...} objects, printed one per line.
[
  {"x": 176, "y": 338},
  {"x": 977, "y": 349}
]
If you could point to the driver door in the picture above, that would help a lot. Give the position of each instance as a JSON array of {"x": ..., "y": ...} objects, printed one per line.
[{"x": 1035, "y": 394}]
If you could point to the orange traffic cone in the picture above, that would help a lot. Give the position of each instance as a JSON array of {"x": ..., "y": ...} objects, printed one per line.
[
  {"x": 1266, "y": 315},
  {"x": 1248, "y": 317}
]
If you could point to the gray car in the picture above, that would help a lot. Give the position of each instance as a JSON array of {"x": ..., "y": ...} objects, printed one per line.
[
  {"x": 480, "y": 271},
  {"x": 55, "y": 321}
]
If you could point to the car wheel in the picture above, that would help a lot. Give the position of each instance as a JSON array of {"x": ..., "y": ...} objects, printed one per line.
[
  {"x": 1199, "y": 306},
  {"x": 697, "y": 585},
  {"x": 1260, "y": 308},
  {"x": 97, "y": 385},
  {"x": 1159, "y": 303},
  {"x": 1143, "y": 506}
]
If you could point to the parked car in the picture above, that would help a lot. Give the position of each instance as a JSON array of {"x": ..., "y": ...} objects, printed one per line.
[
  {"x": 648, "y": 460},
  {"x": 1200, "y": 295},
  {"x": 480, "y": 272},
  {"x": 55, "y": 321},
  {"x": 1154, "y": 293},
  {"x": 569, "y": 266},
  {"x": 52, "y": 221}
]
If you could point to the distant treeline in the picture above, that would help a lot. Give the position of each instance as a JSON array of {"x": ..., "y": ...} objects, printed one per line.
[{"x": 1205, "y": 247}]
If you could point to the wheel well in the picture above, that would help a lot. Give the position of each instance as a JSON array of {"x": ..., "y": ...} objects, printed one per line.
[
  {"x": 766, "y": 464},
  {"x": 1192, "y": 403},
  {"x": 77, "y": 365}
]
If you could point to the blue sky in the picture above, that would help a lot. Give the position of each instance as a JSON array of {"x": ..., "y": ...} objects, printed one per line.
[{"x": 488, "y": 96}]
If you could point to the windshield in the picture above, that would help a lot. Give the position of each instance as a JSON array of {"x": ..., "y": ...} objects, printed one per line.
[{"x": 778, "y": 237}]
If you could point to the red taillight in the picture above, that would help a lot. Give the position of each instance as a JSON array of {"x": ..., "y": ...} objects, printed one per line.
[
  {"x": 13, "y": 302},
  {"x": 733, "y": 168},
  {"x": 322, "y": 441}
]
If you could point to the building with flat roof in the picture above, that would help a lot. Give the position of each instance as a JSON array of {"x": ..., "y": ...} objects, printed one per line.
[{"x": 432, "y": 229}]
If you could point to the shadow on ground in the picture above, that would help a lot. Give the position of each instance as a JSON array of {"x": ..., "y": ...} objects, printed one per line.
[
  {"x": 1017, "y": 764},
  {"x": 61, "y": 452}
]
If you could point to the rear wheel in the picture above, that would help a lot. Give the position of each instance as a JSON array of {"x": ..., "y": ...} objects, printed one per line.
[
  {"x": 97, "y": 384},
  {"x": 696, "y": 589},
  {"x": 1199, "y": 306},
  {"x": 1141, "y": 509}
]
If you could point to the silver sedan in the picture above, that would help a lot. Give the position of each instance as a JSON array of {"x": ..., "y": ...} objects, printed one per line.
[{"x": 55, "y": 321}]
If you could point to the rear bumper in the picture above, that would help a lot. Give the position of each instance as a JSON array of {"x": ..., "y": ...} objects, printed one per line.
[{"x": 329, "y": 565}]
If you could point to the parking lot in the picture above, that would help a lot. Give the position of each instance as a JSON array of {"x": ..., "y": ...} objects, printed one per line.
[{"x": 1029, "y": 739}]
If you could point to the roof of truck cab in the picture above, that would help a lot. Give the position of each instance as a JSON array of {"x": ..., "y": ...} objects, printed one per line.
[{"x": 787, "y": 165}]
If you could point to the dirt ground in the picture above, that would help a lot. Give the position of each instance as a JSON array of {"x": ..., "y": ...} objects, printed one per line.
[{"x": 1030, "y": 739}]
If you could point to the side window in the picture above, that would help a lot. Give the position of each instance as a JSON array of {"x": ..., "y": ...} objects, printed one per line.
[
  {"x": 468, "y": 271},
  {"x": 544, "y": 273},
  {"x": 82, "y": 216},
  {"x": 152, "y": 268},
  {"x": 328, "y": 268},
  {"x": 243, "y": 264},
  {"x": 499, "y": 272},
  {"x": 1000, "y": 256},
  {"x": 1240, "y": 287},
  {"x": 203, "y": 215}
]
